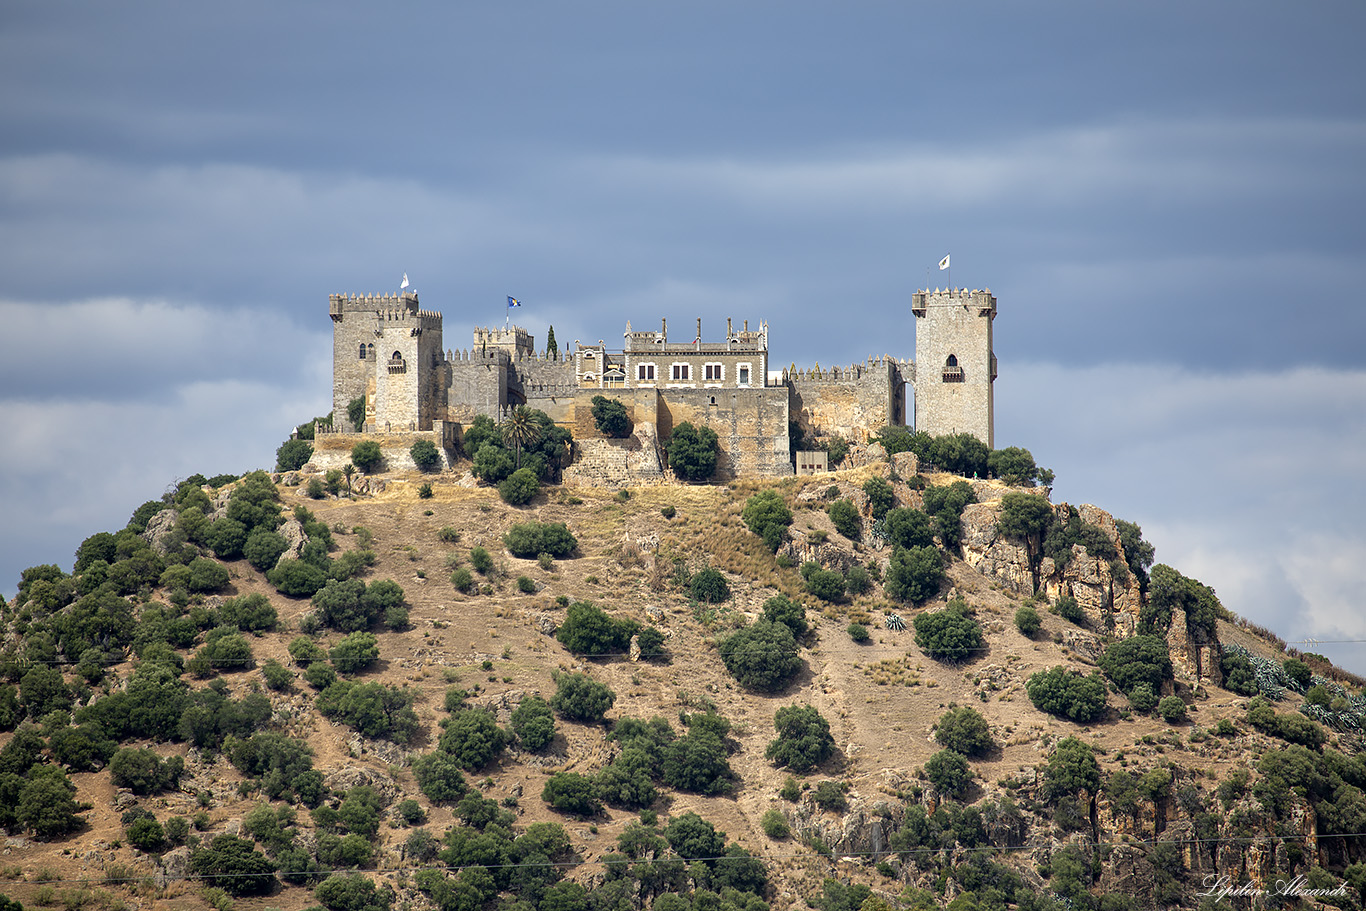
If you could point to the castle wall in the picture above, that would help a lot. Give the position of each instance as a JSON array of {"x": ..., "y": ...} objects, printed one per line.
[
  {"x": 750, "y": 425},
  {"x": 333, "y": 450},
  {"x": 853, "y": 402},
  {"x": 953, "y": 327},
  {"x": 475, "y": 383}
]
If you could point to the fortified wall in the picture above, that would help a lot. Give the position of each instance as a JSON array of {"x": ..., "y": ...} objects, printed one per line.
[{"x": 389, "y": 351}]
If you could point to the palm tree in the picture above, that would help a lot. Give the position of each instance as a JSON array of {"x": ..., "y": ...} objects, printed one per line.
[{"x": 521, "y": 430}]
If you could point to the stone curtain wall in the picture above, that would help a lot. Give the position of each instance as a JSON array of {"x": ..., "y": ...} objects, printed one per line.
[
  {"x": 476, "y": 383},
  {"x": 853, "y": 401},
  {"x": 750, "y": 425},
  {"x": 333, "y": 450}
]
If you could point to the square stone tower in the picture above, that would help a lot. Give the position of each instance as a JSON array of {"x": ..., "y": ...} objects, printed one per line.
[
  {"x": 954, "y": 362},
  {"x": 387, "y": 349}
]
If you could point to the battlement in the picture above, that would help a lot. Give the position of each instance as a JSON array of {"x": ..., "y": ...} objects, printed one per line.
[
  {"x": 844, "y": 374},
  {"x": 981, "y": 300},
  {"x": 383, "y": 307},
  {"x": 515, "y": 340}
]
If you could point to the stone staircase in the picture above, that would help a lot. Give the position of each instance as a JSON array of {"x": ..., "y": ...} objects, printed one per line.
[{"x": 616, "y": 463}]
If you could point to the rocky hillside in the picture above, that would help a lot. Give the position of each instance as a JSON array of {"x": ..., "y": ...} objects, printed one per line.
[{"x": 254, "y": 698}]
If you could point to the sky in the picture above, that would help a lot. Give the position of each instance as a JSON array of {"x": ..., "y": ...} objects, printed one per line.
[{"x": 1168, "y": 200}]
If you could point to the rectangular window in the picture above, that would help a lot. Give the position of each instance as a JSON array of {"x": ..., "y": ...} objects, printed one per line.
[
  {"x": 715, "y": 372},
  {"x": 645, "y": 371},
  {"x": 681, "y": 371},
  {"x": 744, "y": 375}
]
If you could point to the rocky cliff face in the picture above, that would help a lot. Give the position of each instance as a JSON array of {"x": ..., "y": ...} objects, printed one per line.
[{"x": 1107, "y": 593}]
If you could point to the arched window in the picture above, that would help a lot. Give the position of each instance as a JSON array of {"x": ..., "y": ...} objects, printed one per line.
[
  {"x": 398, "y": 356},
  {"x": 371, "y": 354},
  {"x": 362, "y": 350},
  {"x": 952, "y": 361},
  {"x": 952, "y": 372}
]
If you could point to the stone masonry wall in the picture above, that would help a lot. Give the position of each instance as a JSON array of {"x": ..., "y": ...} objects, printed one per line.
[
  {"x": 750, "y": 425},
  {"x": 333, "y": 450},
  {"x": 853, "y": 402}
]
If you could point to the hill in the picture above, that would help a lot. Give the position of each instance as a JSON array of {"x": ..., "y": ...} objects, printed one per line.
[{"x": 189, "y": 730}]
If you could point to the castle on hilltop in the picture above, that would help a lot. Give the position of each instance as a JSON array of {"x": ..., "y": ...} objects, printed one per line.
[{"x": 389, "y": 351}]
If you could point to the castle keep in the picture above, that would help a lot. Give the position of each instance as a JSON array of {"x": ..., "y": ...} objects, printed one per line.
[{"x": 390, "y": 352}]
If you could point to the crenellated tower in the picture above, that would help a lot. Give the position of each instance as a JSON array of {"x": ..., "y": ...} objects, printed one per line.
[
  {"x": 387, "y": 349},
  {"x": 955, "y": 365}
]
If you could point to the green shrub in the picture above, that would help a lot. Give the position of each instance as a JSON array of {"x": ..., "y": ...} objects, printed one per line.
[
  {"x": 144, "y": 772},
  {"x": 1140, "y": 659},
  {"x": 1239, "y": 676},
  {"x": 964, "y": 731},
  {"x": 692, "y": 452},
  {"x": 519, "y": 488},
  {"x": 424, "y": 454},
  {"x": 829, "y": 796},
  {"x": 1299, "y": 673},
  {"x": 914, "y": 574},
  {"x": 425, "y": 492},
  {"x": 534, "y": 723},
  {"x": 1027, "y": 621},
  {"x": 610, "y": 417},
  {"x": 353, "y": 892},
  {"x": 356, "y": 652},
  {"x": 857, "y": 580},
  {"x": 472, "y": 738},
  {"x": 372, "y": 709},
  {"x": 668, "y": 512},
  {"x": 1068, "y": 609},
  {"x": 1013, "y": 465},
  {"x": 293, "y": 455},
  {"x": 528, "y": 539},
  {"x": 1172, "y": 709},
  {"x": 234, "y": 865},
  {"x": 858, "y": 632},
  {"x": 463, "y": 580},
  {"x": 448, "y": 534},
  {"x": 525, "y": 585},
  {"x": 779, "y": 609},
  {"x": 803, "y": 740},
  {"x": 439, "y": 778},
  {"x": 766, "y": 514},
  {"x": 846, "y": 519},
  {"x": 825, "y": 584},
  {"x": 579, "y": 697},
  {"x": 1072, "y": 767},
  {"x": 950, "y": 635},
  {"x": 775, "y": 825},
  {"x": 481, "y": 560},
  {"x": 949, "y": 773},
  {"x": 277, "y": 676},
  {"x": 881, "y": 496},
  {"x": 207, "y": 575},
  {"x": 1067, "y": 694},
  {"x": 296, "y": 578},
  {"x": 367, "y": 456},
  {"x": 588, "y": 630},
  {"x": 1142, "y": 697},
  {"x": 305, "y": 651},
  {"x": 761, "y": 656},
  {"x": 709, "y": 587},
  {"x": 908, "y": 528},
  {"x": 570, "y": 792}
]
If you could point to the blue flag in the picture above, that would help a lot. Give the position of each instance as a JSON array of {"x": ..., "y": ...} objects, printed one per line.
[{"x": 513, "y": 302}]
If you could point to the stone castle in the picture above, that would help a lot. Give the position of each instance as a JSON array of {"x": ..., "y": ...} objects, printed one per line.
[{"x": 391, "y": 352}]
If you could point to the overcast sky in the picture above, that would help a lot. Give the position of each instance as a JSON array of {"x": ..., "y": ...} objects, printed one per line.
[{"x": 1168, "y": 200}]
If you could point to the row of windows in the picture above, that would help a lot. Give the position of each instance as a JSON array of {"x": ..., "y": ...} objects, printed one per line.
[
  {"x": 712, "y": 373},
  {"x": 368, "y": 351}
]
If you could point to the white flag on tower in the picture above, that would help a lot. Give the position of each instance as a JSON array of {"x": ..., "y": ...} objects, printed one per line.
[
  {"x": 405, "y": 282},
  {"x": 943, "y": 264}
]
